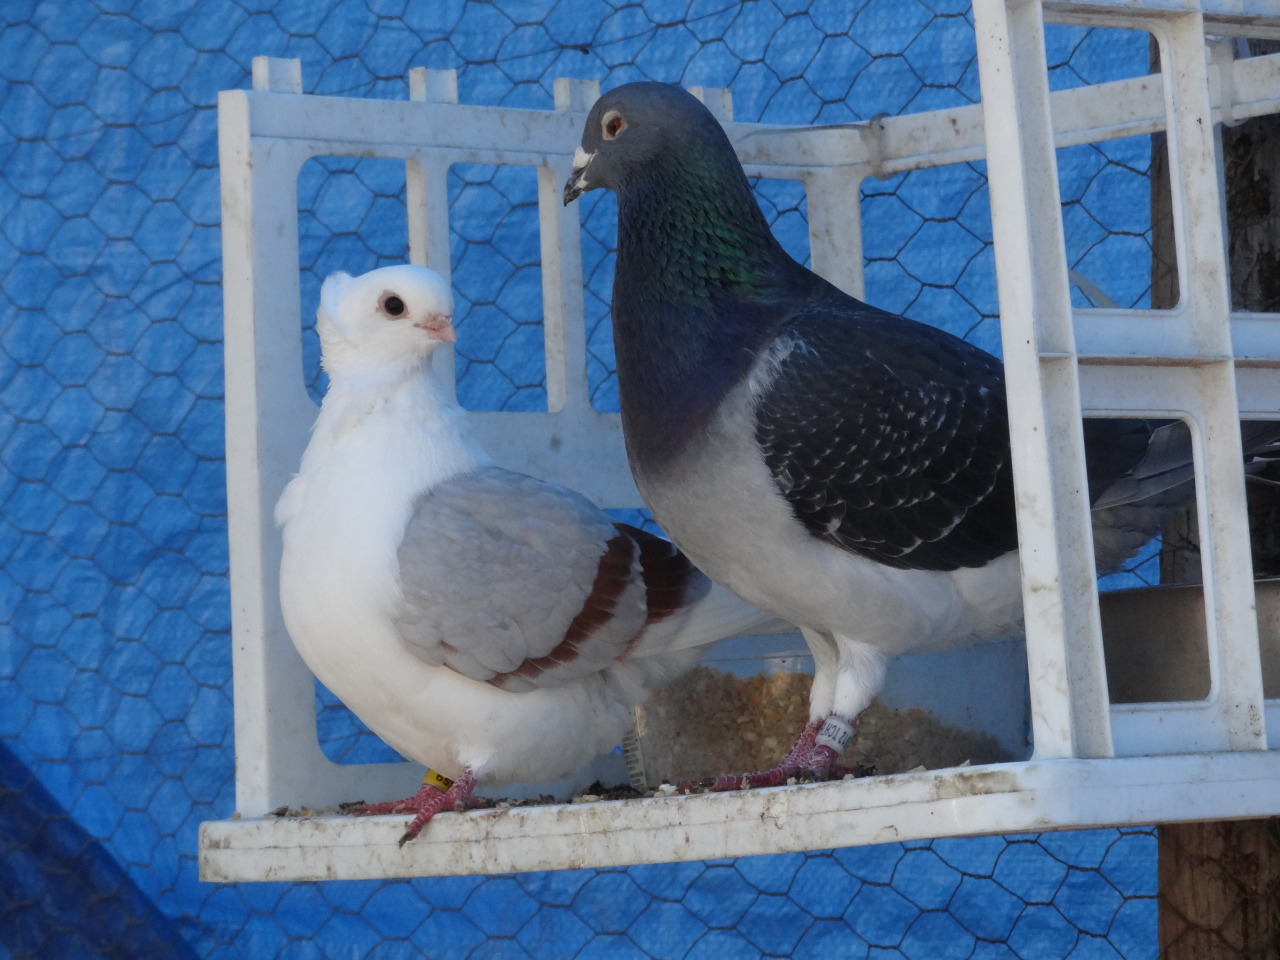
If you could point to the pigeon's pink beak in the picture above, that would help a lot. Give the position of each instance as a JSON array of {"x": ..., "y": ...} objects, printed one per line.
[{"x": 438, "y": 325}]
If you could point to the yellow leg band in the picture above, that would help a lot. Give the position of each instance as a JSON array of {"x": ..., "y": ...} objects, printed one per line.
[{"x": 437, "y": 779}]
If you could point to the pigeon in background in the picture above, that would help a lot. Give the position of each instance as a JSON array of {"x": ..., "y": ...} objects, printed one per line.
[
  {"x": 482, "y": 622},
  {"x": 843, "y": 467}
]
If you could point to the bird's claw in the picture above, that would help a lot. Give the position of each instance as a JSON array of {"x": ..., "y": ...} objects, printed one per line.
[
  {"x": 425, "y": 804},
  {"x": 807, "y": 762},
  {"x": 773, "y": 777}
]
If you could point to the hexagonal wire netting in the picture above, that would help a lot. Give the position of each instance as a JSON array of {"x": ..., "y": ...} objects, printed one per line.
[{"x": 116, "y": 708}]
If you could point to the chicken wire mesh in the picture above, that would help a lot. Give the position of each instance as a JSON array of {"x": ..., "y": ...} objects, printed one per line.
[{"x": 116, "y": 710}]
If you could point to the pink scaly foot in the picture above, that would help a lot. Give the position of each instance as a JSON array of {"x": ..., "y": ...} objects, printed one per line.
[
  {"x": 812, "y": 756},
  {"x": 427, "y": 802}
]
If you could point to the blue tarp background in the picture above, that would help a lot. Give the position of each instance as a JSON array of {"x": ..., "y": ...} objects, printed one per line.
[{"x": 115, "y": 672}]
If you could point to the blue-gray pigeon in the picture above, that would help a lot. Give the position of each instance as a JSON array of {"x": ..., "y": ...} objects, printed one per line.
[{"x": 843, "y": 467}]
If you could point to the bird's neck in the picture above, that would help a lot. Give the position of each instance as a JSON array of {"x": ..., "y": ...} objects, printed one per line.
[
  {"x": 401, "y": 420},
  {"x": 695, "y": 259},
  {"x": 357, "y": 390},
  {"x": 701, "y": 211},
  {"x": 371, "y": 367}
]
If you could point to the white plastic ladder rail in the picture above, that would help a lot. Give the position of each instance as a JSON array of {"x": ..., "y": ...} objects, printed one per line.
[
  {"x": 1061, "y": 363},
  {"x": 267, "y": 134}
]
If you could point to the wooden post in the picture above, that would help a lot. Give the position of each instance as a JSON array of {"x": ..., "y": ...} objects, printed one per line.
[
  {"x": 1220, "y": 890},
  {"x": 1220, "y": 881}
]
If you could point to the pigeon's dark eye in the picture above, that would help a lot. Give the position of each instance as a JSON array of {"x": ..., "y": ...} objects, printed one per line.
[
  {"x": 393, "y": 306},
  {"x": 612, "y": 125}
]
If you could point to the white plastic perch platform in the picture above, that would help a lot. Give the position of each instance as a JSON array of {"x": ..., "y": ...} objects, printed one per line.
[{"x": 1095, "y": 762}]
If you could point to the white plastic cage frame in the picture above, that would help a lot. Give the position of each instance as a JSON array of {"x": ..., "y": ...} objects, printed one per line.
[{"x": 1095, "y": 763}]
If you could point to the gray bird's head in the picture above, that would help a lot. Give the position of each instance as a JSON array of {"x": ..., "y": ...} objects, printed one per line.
[
  {"x": 389, "y": 316},
  {"x": 635, "y": 128}
]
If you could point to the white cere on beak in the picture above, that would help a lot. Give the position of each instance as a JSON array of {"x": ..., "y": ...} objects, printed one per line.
[
  {"x": 577, "y": 183},
  {"x": 580, "y": 160}
]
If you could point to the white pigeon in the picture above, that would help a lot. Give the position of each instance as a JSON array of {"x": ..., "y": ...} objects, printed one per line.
[{"x": 487, "y": 624}]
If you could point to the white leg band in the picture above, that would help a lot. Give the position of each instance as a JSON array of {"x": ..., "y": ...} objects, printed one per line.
[{"x": 835, "y": 733}]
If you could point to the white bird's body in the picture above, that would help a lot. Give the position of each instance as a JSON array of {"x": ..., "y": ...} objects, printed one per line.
[{"x": 455, "y": 607}]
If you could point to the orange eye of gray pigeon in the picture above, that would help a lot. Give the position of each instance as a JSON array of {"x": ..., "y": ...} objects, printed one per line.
[
  {"x": 612, "y": 125},
  {"x": 393, "y": 306}
]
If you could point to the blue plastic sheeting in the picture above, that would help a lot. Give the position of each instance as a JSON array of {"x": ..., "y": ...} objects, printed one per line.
[
  {"x": 61, "y": 894},
  {"x": 115, "y": 675}
]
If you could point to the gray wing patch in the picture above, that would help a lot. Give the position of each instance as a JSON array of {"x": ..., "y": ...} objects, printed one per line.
[{"x": 502, "y": 581}]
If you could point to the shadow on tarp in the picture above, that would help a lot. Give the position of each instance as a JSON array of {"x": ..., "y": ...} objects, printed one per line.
[{"x": 62, "y": 894}]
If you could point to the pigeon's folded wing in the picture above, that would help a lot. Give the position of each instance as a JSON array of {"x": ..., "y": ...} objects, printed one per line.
[
  {"x": 886, "y": 441},
  {"x": 522, "y": 584}
]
